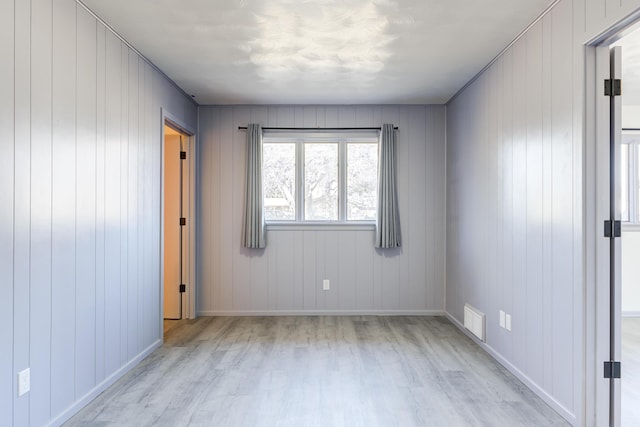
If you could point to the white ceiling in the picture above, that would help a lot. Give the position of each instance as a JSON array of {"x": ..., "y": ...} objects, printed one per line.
[{"x": 319, "y": 51}]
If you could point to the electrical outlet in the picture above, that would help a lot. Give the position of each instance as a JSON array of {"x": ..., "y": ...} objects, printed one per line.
[
  {"x": 508, "y": 322},
  {"x": 24, "y": 382},
  {"x": 502, "y": 319},
  {"x": 326, "y": 285}
]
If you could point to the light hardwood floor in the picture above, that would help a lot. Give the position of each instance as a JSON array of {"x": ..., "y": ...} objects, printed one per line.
[
  {"x": 317, "y": 371},
  {"x": 630, "y": 380},
  {"x": 169, "y": 324}
]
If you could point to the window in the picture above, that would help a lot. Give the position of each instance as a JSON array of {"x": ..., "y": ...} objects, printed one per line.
[
  {"x": 320, "y": 181},
  {"x": 630, "y": 177},
  {"x": 319, "y": 178},
  {"x": 279, "y": 181}
]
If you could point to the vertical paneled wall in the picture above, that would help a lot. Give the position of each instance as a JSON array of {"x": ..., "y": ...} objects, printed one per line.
[
  {"x": 7, "y": 150},
  {"x": 515, "y": 188},
  {"x": 592, "y": 17},
  {"x": 79, "y": 206},
  {"x": 511, "y": 212},
  {"x": 287, "y": 276}
]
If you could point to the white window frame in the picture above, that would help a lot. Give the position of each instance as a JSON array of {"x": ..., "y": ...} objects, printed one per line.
[
  {"x": 632, "y": 140},
  {"x": 300, "y": 141}
]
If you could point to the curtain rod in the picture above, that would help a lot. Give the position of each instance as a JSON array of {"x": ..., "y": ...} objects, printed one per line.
[
  {"x": 630, "y": 128},
  {"x": 277, "y": 128}
]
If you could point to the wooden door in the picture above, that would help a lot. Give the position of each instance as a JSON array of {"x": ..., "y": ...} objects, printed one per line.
[{"x": 172, "y": 228}]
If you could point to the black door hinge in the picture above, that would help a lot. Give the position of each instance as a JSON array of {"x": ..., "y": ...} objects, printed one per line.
[
  {"x": 611, "y": 369},
  {"x": 612, "y": 87},
  {"x": 612, "y": 228},
  {"x": 183, "y": 155},
  {"x": 183, "y": 221},
  {"x": 183, "y": 288}
]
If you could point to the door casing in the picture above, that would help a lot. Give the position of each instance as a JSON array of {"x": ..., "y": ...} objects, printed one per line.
[
  {"x": 189, "y": 202},
  {"x": 602, "y": 256}
]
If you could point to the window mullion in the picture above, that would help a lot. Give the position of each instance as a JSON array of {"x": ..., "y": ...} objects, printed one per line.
[
  {"x": 633, "y": 183},
  {"x": 629, "y": 168},
  {"x": 300, "y": 180},
  {"x": 342, "y": 181}
]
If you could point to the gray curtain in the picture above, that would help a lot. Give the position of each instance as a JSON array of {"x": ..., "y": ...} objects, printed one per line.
[
  {"x": 253, "y": 234},
  {"x": 388, "y": 222}
]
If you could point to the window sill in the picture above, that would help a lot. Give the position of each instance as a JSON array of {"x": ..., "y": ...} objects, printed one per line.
[
  {"x": 320, "y": 226},
  {"x": 626, "y": 227}
]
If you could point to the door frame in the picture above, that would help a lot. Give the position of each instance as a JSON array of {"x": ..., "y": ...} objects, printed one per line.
[
  {"x": 597, "y": 337},
  {"x": 602, "y": 339},
  {"x": 189, "y": 247}
]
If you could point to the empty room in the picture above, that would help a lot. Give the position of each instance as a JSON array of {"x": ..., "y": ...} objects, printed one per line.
[{"x": 319, "y": 213}]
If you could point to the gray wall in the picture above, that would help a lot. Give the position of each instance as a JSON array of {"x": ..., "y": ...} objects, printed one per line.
[
  {"x": 80, "y": 115},
  {"x": 515, "y": 203},
  {"x": 287, "y": 276},
  {"x": 511, "y": 214}
]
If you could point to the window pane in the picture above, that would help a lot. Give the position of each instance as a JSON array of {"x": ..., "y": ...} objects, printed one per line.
[
  {"x": 279, "y": 174},
  {"x": 636, "y": 184},
  {"x": 321, "y": 182},
  {"x": 624, "y": 181},
  {"x": 362, "y": 181}
]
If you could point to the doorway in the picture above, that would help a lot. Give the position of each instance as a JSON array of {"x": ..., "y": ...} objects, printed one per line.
[
  {"x": 629, "y": 201},
  {"x": 617, "y": 207},
  {"x": 174, "y": 170},
  {"x": 178, "y": 223}
]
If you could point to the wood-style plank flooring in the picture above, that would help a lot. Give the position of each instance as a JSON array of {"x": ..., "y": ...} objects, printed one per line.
[
  {"x": 630, "y": 380},
  {"x": 317, "y": 371},
  {"x": 168, "y": 324}
]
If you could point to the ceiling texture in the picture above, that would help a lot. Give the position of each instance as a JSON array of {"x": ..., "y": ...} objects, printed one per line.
[{"x": 319, "y": 51}]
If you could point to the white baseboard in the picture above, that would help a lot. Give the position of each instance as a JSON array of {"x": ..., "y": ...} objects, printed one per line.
[
  {"x": 631, "y": 313},
  {"x": 542, "y": 394},
  {"x": 322, "y": 313},
  {"x": 84, "y": 400}
]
